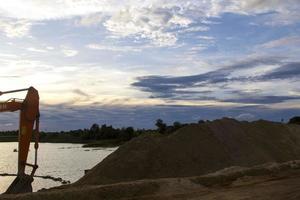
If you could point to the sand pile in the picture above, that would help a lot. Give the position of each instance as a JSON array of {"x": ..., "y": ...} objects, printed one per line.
[
  {"x": 270, "y": 181},
  {"x": 198, "y": 149}
]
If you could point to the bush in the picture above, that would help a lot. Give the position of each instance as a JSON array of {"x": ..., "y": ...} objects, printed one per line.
[{"x": 295, "y": 120}]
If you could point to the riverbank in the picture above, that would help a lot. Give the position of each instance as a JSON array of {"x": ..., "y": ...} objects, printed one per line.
[{"x": 104, "y": 143}]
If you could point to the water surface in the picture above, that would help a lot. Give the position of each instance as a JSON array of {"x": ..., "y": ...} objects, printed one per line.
[{"x": 64, "y": 160}]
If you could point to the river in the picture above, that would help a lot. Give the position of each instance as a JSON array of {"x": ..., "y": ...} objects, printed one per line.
[{"x": 64, "y": 160}]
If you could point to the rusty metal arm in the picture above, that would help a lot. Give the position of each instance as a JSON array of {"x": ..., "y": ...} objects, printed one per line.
[
  {"x": 29, "y": 125},
  {"x": 10, "y": 106},
  {"x": 14, "y": 91}
]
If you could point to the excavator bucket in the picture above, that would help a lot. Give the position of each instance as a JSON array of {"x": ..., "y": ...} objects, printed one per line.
[{"x": 21, "y": 184}]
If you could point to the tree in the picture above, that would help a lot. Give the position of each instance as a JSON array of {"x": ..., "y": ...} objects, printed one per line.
[
  {"x": 94, "y": 130},
  {"x": 201, "y": 121},
  {"x": 108, "y": 132},
  {"x": 295, "y": 120},
  {"x": 128, "y": 134},
  {"x": 177, "y": 125},
  {"x": 161, "y": 126}
]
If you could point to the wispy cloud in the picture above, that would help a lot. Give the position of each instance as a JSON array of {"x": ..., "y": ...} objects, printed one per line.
[
  {"x": 15, "y": 28},
  {"x": 33, "y": 49},
  {"x": 68, "y": 52},
  {"x": 195, "y": 86},
  {"x": 80, "y": 92},
  {"x": 120, "y": 48},
  {"x": 90, "y": 20},
  {"x": 282, "y": 42}
]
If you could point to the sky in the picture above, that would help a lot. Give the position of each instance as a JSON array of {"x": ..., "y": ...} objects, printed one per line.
[{"x": 128, "y": 63}]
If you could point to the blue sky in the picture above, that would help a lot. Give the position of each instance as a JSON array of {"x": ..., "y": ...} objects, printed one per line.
[{"x": 127, "y": 63}]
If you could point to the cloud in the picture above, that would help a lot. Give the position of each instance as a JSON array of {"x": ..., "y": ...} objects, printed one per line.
[
  {"x": 50, "y": 48},
  {"x": 222, "y": 83},
  {"x": 15, "y": 28},
  {"x": 32, "y": 49},
  {"x": 68, "y": 52},
  {"x": 289, "y": 17},
  {"x": 204, "y": 37},
  {"x": 259, "y": 6},
  {"x": 5, "y": 55},
  {"x": 194, "y": 29},
  {"x": 286, "y": 71},
  {"x": 80, "y": 92},
  {"x": 160, "y": 22},
  {"x": 9, "y": 77},
  {"x": 90, "y": 20},
  {"x": 282, "y": 42},
  {"x": 122, "y": 48},
  {"x": 212, "y": 77},
  {"x": 38, "y": 10},
  {"x": 277, "y": 12},
  {"x": 149, "y": 23},
  {"x": 257, "y": 99}
]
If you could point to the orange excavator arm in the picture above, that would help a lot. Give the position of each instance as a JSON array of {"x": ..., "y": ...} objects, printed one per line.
[{"x": 29, "y": 126}]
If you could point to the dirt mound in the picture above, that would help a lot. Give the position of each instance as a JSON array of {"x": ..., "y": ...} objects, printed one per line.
[
  {"x": 270, "y": 181},
  {"x": 198, "y": 149}
]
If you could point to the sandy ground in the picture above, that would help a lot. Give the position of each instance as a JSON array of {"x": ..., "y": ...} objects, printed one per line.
[
  {"x": 198, "y": 149},
  {"x": 264, "y": 182}
]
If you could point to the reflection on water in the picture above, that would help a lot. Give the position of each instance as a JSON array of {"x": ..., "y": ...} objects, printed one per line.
[{"x": 67, "y": 161}]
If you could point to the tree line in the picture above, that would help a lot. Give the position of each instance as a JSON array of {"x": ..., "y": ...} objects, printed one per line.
[
  {"x": 108, "y": 132},
  {"x": 99, "y": 132}
]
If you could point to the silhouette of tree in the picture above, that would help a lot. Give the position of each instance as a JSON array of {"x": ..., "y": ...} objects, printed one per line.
[
  {"x": 295, "y": 120},
  {"x": 128, "y": 134},
  {"x": 177, "y": 125},
  {"x": 161, "y": 126},
  {"x": 201, "y": 121},
  {"x": 94, "y": 130}
]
